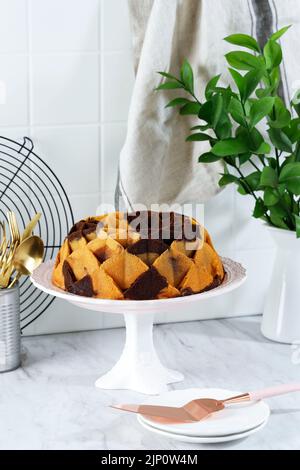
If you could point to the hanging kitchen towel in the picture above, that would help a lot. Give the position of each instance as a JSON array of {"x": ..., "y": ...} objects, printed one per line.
[{"x": 156, "y": 164}]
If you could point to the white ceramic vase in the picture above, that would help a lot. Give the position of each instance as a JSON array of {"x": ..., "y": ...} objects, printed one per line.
[{"x": 281, "y": 317}]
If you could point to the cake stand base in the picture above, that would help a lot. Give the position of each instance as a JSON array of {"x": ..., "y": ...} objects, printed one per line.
[{"x": 139, "y": 367}]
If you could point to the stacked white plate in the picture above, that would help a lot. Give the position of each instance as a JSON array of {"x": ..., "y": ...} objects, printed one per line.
[{"x": 233, "y": 422}]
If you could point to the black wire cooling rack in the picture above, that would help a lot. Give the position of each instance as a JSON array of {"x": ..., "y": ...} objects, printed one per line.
[{"x": 27, "y": 186}]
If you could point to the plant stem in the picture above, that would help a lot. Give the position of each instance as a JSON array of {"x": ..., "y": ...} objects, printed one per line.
[
  {"x": 190, "y": 92},
  {"x": 253, "y": 164},
  {"x": 245, "y": 183},
  {"x": 277, "y": 161}
]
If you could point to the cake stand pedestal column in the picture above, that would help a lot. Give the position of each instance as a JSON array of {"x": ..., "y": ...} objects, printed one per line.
[{"x": 139, "y": 367}]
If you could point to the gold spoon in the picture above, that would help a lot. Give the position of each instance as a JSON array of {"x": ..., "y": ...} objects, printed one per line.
[{"x": 28, "y": 257}]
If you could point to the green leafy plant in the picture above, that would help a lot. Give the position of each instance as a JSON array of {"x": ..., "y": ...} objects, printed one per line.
[{"x": 265, "y": 165}]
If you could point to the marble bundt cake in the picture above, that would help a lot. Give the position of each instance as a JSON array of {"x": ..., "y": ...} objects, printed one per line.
[{"x": 138, "y": 256}]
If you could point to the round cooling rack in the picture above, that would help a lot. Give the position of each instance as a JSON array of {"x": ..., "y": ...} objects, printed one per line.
[{"x": 27, "y": 186}]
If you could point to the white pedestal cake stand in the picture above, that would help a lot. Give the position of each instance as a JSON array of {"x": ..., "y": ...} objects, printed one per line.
[{"x": 139, "y": 367}]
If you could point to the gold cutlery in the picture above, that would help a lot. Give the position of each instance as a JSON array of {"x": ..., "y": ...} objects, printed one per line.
[
  {"x": 15, "y": 254},
  {"x": 9, "y": 251},
  {"x": 28, "y": 256}
]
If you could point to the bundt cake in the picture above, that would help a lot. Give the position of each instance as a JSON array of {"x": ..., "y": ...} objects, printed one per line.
[{"x": 137, "y": 256}]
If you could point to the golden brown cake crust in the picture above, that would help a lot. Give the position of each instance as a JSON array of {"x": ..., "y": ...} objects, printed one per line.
[{"x": 137, "y": 256}]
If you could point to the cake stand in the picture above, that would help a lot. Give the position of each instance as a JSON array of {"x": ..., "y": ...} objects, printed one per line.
[{"x": 139, "y": 367}]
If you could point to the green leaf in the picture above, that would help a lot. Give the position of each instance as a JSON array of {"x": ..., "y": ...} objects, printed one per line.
[
  {"x": 168, "y": 75},
  {"x": 243, "y": 190},
  {"x": 251, "y": 80},
  {"x": 253, "y": 180},
  {"x": 268, "y": 177},
  {"x": 190, "y": 108},
  {"x": 177, "y": 102},
  {"x": 272, "y": 54},
  {"x": 211, "y": 85},
  {"x": 217, "y": 106},
  {"x": 205, "y": 112},
  {"x": 259, "y": 109},
  {"x": 244, "y": 157},
  {"x": 256, "y": 139},
  {"x": 278, "y": 210},
  {"x": 200, "y": 128},
  {"x": 279, "y": 33},
  {"x": 253, "y": 138},
  {"x": 243, "y": 60},
  {"x": 290, "y": 176},
  {"x": 208, "y": 157},
  {"x": 297, "y": 222},
  {"x": 236, "y": 110},
  {"x": 274, "y": 80},
  {"x": 277, "y": 220},
  {"x": 224, "y": 127},
  {"x": 259, "y": 209},
  {"x": 297, "y": 152},
  {"x": 262, "y": 92},
  {"x": 200, "y": 137},
  {"x": 187, "y": 76},
  {"x": 282, "y": 114},
  {"x": 263, "y": 149},
  {"x": 229, "y": 147},
  {"x": 169, "y": 86},
  {"x": 296, "y": 102},
  {"x": 272, "y": 163},
  {"x": 230, "y": 161},
  {"x": 280, "y": 140},
  {"x": 293, "y": 130},
  {"x": 243, "y": 40},
  {"x": 238, "y": 80},
  {"x": 228, "y": 179},
  {"x": 226, "y": 93},
  {"x": 271, "y": 196}
]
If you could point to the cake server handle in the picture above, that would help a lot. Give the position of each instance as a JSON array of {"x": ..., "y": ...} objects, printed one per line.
[
  {"x": 264, "y": 393},
  {"x": 274, "y": 391}
]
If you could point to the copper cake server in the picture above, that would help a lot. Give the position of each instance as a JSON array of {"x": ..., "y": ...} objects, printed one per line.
[{"x": 199, "y": 409}]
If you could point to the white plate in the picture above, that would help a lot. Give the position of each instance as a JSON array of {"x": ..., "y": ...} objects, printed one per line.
[
  {"x": 201, "y": 440},
  {"x": 234, "y": 277},
  {"x": 233, "y": 419}
]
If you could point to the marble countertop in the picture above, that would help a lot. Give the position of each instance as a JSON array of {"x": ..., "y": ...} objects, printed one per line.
[{"x": 51, "y": 402}]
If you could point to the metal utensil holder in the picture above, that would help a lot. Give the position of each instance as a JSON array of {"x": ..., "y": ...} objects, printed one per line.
[{"x": 10, "y": 335}]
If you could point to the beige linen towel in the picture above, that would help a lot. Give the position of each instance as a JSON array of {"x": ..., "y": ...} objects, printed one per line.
[{"x": 156, "y": 164}]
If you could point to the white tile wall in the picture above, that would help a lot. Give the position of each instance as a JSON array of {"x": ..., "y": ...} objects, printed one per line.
[
  {"x": 115, "y": 26},
  {"x": 13, "y": 26},
  {"x": 66, "y": 78},
  {"x": 65, "y": 89},
  {"x": 64, "y": 25},
  {"x": 117, "y": 83},
  {"x": 67, "y": 147},
  {"x": 14, "y": 103}
]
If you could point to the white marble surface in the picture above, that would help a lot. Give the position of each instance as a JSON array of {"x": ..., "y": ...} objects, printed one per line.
[{"x": 51, "y": 402}]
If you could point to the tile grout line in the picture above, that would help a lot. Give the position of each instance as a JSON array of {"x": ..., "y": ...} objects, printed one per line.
[
  {"x": 29, "y": 96},
  {"x": 64, "y": 52},
  {"x": 100, "y": 64},
  {"x": 77, "y": 124},
  {"x": 29, "y": 65}
]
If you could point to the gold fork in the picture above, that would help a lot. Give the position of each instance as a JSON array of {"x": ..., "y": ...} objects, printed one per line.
[
  {"x": 8, "y": 254},
  {"x": 4, "y": 243}
]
